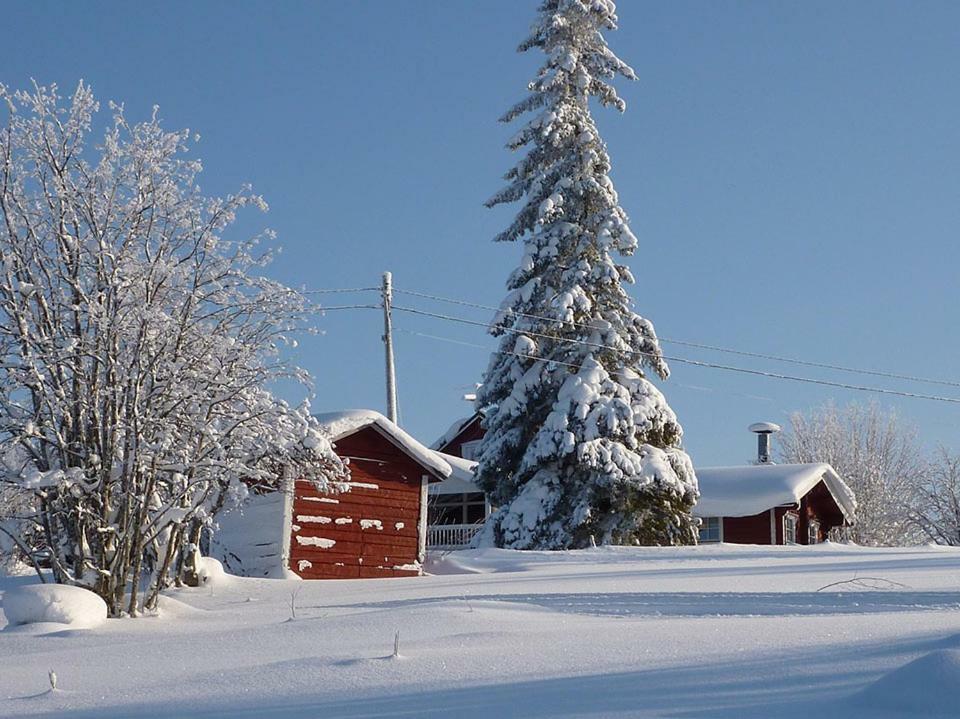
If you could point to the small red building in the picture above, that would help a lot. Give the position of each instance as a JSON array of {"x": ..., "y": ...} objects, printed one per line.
[
  {"x": 373, "y": 525},
  {"x": 772, "y": 503}
]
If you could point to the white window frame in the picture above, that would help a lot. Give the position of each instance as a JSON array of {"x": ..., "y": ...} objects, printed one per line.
[
  {"x": 794, "y": 520},
  {"x": 703, "y": 524},
  {"x": 813, "y": 532}
]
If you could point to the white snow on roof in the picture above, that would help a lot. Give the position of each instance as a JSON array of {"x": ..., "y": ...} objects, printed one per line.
[
  {"x": 748, "y": 490},
  {"x": 463, "y": 469},
  {"x": 452, "y": 431},
  {"x": 461, "y": 480},
  {"x": 340, "y": 424}
]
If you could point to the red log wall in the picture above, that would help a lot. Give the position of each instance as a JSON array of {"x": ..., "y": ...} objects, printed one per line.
[
  {"x": 817, "y": 504},
  {"x": 384, "y": 486}
]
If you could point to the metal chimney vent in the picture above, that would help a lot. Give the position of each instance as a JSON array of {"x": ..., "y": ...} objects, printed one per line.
[{"x": 763, "y": 430}]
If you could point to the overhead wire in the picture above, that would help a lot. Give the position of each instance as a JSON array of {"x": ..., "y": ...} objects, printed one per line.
[
  {"x": 683, "y": 360},
  {"x": 348, "y": 307},
  {"x": 696, "y": 345},
  {"x": 337, "y": 290}
]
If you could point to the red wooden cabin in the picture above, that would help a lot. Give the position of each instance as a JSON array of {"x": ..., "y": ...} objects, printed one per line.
[
  {"x": 376, "y": 526},
  {"x": 373, "y": 525},
  {"x": 772, "y": 503}
]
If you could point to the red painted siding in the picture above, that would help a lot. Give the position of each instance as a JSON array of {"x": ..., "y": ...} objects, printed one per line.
[
  {"x": 817, "y": 504},
  {"x": 470, "y": 432},
  {"x": 747, "y": 530},
  {"x": 378, "y": 528}
]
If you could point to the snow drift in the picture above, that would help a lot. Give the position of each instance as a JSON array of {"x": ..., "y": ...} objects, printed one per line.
[
  {"x": 928, "y": 686},
  {"x": 54, "y": 603}
]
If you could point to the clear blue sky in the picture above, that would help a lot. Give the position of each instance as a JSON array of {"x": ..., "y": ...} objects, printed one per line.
[{"x": 792, "y": 171}]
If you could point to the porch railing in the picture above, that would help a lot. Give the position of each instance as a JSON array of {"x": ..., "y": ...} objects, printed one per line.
[{"x": 451, "y": 536}]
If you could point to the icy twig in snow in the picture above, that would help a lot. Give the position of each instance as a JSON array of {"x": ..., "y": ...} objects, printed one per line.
[
  {"x": 52, "y": 676},
  {"x": 396, "y": 645},
  {"x": 293, "y": 603},
  {"x": 871, "y": 583}
]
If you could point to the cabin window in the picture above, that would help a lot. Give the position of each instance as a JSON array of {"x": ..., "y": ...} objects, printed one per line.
[
  {"x": 813, "y": 532},
  {"x": 465, "y": 508},
  {"x": 709, "y": 530},
  {"x": 468, "y": 450},
  {"x": 789, "y": 528}
]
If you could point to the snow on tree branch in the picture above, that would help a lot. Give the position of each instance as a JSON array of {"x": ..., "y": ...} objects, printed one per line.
[
  {"x": 579, "y": 442},
  {"x": 137, "y": 342}
]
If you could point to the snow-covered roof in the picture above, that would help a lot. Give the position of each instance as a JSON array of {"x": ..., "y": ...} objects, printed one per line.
[
  {"x": 341, "y": 424},
  {"x": 748, "y": 490},
  {"x": 461, "y": 480},
  {"x": 454, "y": 429}
]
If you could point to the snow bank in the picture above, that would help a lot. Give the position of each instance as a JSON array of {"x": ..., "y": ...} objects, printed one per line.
[
  {"x": 54, "y": 603},
  {"x": 249, "y": 540},
  {"x": 928, "y": 686},
  {"x": 211, "y": 572}
]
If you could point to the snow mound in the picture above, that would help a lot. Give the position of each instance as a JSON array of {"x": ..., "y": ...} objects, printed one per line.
[
  {"x": 211, "y": 572},
  {"x": 927, "y": 686},
  {"x": 54, "y": 603}
]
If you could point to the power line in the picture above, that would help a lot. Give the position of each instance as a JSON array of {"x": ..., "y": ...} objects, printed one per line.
[
  {"x": 453, "y": 341},
  {"x": 699, "y": 345},
  {"x": 684, "y": 360},
  {"x": 348, "y": 307},
  {"x": 496, "y": 351},
  {"x": 338, "y": 290}
]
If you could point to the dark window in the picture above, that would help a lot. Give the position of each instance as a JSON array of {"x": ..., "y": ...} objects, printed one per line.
[
  {"x": 709, "y": 529},
  {"x": 467, "y": 508}
]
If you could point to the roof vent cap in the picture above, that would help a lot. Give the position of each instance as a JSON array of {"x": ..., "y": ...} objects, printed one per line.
[{"x": 763, "y": 430}]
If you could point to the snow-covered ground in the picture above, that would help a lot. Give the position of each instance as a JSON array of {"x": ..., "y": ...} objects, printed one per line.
[{"x": 712, "y": 631}]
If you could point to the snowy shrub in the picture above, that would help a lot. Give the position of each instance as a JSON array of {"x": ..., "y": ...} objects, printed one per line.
[
  {"x": 138, "y": 340},
  {"x": 579, "y": 444}
]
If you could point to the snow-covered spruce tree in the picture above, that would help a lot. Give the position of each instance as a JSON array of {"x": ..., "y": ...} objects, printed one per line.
[
  {"x": 137, "y": 342},
  {"x": 579, "y": 443}
]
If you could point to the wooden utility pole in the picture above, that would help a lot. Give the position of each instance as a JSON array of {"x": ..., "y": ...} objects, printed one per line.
[{"x": 388, "y": 343}]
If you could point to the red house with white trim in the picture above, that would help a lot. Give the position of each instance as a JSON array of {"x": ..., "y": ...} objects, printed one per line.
[{"x": 772, "y": 503}]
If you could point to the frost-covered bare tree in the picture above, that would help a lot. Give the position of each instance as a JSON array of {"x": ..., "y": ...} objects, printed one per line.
[
  {"x": 937, "y": 509},
  {"x": 137, "y": 343},
  {"x": 875, "y": 453},
  {"x": 18, "y": 533}
]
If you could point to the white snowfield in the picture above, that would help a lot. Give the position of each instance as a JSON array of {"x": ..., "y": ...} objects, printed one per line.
[{"x": 711, "y": 631}]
